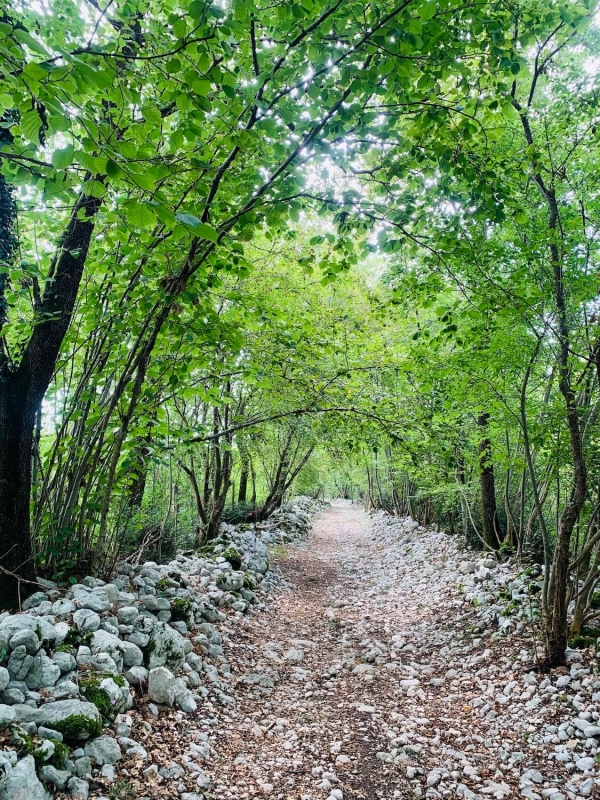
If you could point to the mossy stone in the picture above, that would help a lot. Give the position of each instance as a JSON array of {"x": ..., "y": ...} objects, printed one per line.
[
  {"x": 78, "y": 728},
  {"x": 182, "y": 610},
  {"x": 234, "y": 558}
]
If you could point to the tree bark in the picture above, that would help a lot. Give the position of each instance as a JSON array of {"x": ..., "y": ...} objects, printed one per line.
[
  {"x": 243, "y": 487},
  {"x": 17, "y": 420},
  {"x": 487, "y": 482},
  {"x": 21, "y": 393}
]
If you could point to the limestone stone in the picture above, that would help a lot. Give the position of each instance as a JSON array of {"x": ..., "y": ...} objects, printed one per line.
[
  {"x": 7, "y": 716},
  {"x": 19, "y": 663},
  {"x": 42, "y": 673},
  {"x": 162, "y": 686},
  {"x": 165, "y": 648},
  {"x": 104, "y": 750},
  {"x": 27, "y": 638},
  {"x": 86, "y": 620},
  {"x": 78, "y": 721},
  {"x": 22, "y": 783}
]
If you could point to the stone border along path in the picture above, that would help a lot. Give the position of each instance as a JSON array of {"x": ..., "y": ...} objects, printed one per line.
[
  {"x": 370, "y": 676},
  {"x": 75, "y": 661}
]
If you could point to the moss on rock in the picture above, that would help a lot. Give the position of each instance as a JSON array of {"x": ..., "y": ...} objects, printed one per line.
[
  {"x": 249, "y": 581},
  {"x": 234, "y": 558},
  {"x": 21, "y": 740},
  {"x": 148, "y": 650},
  {"x": 91, "y": 690},
  {"x": 76, "y": 639},
  {"x": 59, "y": 757},
  {"x": 182, "y": 610},
  {"x": 78, "y": 728}
]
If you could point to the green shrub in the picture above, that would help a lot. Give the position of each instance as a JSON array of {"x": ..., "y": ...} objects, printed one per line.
[
  {"x": 76, "y": 639},
  {"x": 59, "y": 757},
  {"x": 240, "y": 512},
  {"x": 92, "y": 691}
]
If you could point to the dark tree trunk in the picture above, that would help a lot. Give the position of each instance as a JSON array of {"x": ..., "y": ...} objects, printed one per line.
[
  {"x": 22, "y": 390},
  {"x": 489, "y": 511},
  {"x": 17, "y": 420},
  {"x": 283, "y": 481},
  {"x": 138, "y": 487},
  {"x": 253, "y": 477},
  {"x": 243, "y": 487},
  {"x": 556, "y": 629},
  {"x": 140, "y": 473}
]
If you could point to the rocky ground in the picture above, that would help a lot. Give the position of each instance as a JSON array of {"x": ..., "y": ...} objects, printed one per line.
[
  {"x": 385, "y": 661},
  {"x": 75, "y": 660},
  {"x": 375, "y": 675}
]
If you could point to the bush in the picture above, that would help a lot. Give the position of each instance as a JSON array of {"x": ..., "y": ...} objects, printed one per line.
[{"x": 239, "y": 513}]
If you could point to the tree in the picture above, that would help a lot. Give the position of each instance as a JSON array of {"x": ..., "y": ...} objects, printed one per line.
[{"x": 189, "y": 125}]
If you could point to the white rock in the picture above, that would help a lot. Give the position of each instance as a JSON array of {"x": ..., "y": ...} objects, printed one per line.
[
  {"x": 162, "y": 686},
  {"x": 104, "y": 750},
  {"x": 22, "y": 783}
]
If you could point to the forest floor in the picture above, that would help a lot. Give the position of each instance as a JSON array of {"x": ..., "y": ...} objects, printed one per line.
[{"x": 366, "y": 677}]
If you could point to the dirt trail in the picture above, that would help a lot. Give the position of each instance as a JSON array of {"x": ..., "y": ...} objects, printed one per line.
[{"x": 318, "y": 730}]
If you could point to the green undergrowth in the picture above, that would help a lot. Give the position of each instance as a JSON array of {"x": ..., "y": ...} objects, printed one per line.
[
  {"x": 587, "y": 638},
  {"x": 74, "y": 640},
  {"x": 229, "y": 552},
  {"x": 58, "y": 759}
]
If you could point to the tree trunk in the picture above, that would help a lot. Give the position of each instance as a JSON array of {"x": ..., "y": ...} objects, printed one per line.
[
  {"x": 140, "y": 471},
  {"x": 489, "y": 512},
  {"x": 22, "y": 390},
  {"x": 243, "y": 487},
  {"x": 17, "y": 420},
  {"x": 282, "y": 483},
  {"x": 253, "y": 478},
  {"x": 582, "y": 602}
]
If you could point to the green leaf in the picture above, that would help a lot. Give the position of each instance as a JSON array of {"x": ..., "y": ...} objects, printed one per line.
[
  {"x": 61, "y": 159},
  {"x": 35, "y": 71},
  {"x": 113, "y": 170},
  {"x": 201, "y": 229},
  {"x": 188, "y": 219},
  {"x": 94, "y": 188},
  {"x": 30, "y": 126},
  {"x": 22, "y": 36},
  {"x": 196, "y": 9},
  {"x": 427, "y": 10},
  {"x": 205, "y": 231},
  {"x": 152, "y": 114},
  {"x": 139, "y": 214},
  {"x": 202, "y": 87}
]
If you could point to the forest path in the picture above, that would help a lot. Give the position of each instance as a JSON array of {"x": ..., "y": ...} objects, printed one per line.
[{"x": 342, "y": 698}]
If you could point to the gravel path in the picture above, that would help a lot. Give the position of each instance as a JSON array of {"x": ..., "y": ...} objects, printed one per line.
[
  {"x": 319, "y": 728},
  {"x": 343, "y": 697},
  {"x": 369, "y": 677}
]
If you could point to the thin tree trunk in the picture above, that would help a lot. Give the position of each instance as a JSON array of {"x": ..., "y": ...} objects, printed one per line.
[
  {"x": 243, "y": 487},
  {"x": 487, "y": 482}
]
